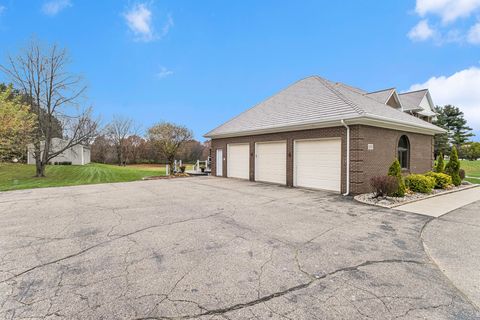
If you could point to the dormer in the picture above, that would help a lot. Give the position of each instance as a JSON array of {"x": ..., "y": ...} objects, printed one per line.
[
  {"x": 419, "y": 103},
  {"x": 388, "y": 97}
]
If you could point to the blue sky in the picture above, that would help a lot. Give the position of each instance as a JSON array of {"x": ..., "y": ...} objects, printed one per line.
[{"x": 199, "y": 63}]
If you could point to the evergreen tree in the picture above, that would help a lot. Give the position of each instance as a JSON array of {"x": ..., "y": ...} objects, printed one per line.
[
  {"x": 396, "y": 171},
  {"x": 440, "y": 165},
  {"x": 451, "y": 119},
  {"x": 453, "y": 167}
]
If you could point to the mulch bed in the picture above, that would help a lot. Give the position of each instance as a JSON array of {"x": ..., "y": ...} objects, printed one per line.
[
  {"x": 179, "y": 175},
  {"x": 392, "y": 202}
]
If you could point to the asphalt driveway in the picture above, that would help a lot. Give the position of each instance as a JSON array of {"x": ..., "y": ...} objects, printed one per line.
[
  {"x": 453, "y": 243},
  {"x": 212, "y": 248}
]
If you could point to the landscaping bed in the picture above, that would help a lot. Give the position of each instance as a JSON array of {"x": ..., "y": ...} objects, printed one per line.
[
  {"x": 391, "y": 202},
  {"x": 395, "y": 188}
]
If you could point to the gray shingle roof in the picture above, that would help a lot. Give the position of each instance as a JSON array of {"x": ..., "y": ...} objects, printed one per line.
[
  {"x": 412, "y": 100},
  {"x": 381, "y": 96},
  {"x": 313, "y": 100}
]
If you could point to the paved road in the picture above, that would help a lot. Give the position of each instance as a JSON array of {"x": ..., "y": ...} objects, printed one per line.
[
  {"x": 453, "y": 243},
  {"x": 212, "y": 248}
]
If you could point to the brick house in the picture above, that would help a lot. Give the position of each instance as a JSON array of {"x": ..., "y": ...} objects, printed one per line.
[{"x": 325, "y": 135}]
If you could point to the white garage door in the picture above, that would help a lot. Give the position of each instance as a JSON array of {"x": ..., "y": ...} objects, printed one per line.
[
  {"x": 317, "y": 164},
  {"x": 271, "y": 162},
  {"x": 238, "y": 160}
]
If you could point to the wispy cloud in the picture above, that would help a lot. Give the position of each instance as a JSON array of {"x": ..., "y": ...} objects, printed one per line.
[
  {"x": 421, "y": 32},
  {"x": 448, "y": 10},
  {"x": 167, "y": 26},
  {"x": 53, "y": 7},
  {"x": 163, "y": 73},
  {"x": 139, "y": 19},
  {"x": 474, "y": 34},
  {"x": 2, "y": 9},
  {"x": 446, "y": 13}
]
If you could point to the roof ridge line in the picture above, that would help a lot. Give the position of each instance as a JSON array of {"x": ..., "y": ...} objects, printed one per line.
[
  {"x": 341, "y": 96},
  {"x": 425, "y": 89},
  {"x": 392, "y": 88}
]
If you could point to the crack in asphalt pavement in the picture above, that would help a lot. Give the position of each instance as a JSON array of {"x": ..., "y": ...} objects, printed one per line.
[
  {"x": 280, "y": 293},
  {"x": 78, "y": 253}
]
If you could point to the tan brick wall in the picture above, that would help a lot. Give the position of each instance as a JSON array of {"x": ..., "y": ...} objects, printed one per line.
[
  {"x": 369, "y": 163},
  {"x": 364, "y": 164}
]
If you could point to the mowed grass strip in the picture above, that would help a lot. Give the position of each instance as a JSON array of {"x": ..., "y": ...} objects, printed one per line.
[
  {"x": 21, "y": 176},
  {"x": 472, "y": 170}
]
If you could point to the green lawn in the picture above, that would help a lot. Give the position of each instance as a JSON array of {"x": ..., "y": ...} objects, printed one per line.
[
  {"x": 20, "y": 176},
  {"x": 472, "y": 170}
]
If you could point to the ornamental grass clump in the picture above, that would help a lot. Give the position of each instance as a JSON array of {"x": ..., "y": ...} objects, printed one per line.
[{"x": 396, "y": 171}]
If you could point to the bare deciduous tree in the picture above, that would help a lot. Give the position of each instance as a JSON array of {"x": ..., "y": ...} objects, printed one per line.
[
  {"x": 169, "y": 137},
  {"x": 53, "y": 94},
  {"x": 118, "y": 131}
]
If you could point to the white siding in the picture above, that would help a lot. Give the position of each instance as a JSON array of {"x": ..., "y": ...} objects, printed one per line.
[{"x": 78, "y": 155}]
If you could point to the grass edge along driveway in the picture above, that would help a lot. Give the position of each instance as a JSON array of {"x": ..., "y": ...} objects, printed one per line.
[
  {"x": 21, "y": 176},
  {"x": 472, "y": 170}
]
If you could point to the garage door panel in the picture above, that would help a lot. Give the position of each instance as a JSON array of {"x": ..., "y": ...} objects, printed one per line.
[
  {"x": 271, "y": 162},
  {"x": 238, "y": 161},
  {"x": 318, "y": 164}
]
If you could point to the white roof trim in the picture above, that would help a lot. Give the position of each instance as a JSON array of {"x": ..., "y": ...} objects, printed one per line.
[
  {"x": 397, "y": 99},
  {"x": 369, "y": 120}
]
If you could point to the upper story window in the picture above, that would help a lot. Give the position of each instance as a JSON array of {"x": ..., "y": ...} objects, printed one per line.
[{"x": 404, "y": 152}]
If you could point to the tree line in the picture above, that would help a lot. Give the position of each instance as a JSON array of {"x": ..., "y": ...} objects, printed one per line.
[
  {"x": 121, "y": 142},
  {"x": 45, "y": 101}
]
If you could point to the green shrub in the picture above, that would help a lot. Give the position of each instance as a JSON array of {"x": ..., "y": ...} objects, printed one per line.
[
  {"x": 440, "y": 165},
  {"x": 442, "y": 180},
  {"x": 453, "y": 167},
  {"x": 396, "y": 171},
  {"x": 384, "y": 185},
  {"x": 420, "y": 183}
]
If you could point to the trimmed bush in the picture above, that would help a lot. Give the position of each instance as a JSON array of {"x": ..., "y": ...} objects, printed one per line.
[
  {"x": 182, "y": 169},
  {"x": 396, "y": 171},
  {"x": 420, "y": 183},
  {"x": 442, "y": 180},
  {"x": 440, "y": 165},
  {"x": 461, "y": 173},
  {"x": 453, "y": 167},
  {"x": 384, "y": 185}
]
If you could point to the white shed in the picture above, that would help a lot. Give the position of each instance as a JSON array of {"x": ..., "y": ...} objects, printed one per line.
[{"x": 77, "y": 155}]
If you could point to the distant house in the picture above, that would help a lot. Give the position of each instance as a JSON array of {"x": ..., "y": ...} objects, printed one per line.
[
  {"x": 327, "y": 135},
  {"x": 77, "y": 155}
]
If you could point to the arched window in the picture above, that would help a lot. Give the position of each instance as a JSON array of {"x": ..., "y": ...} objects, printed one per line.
[{"x": 404, "y": 152}]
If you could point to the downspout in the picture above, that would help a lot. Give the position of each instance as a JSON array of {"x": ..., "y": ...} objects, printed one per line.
[{"x": 348, "y": 158}]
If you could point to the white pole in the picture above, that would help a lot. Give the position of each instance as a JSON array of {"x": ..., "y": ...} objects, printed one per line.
[{"x": 167, "y": 170}]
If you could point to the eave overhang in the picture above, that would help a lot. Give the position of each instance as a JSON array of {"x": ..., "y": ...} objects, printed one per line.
[{"x": 367, "y": 119}]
